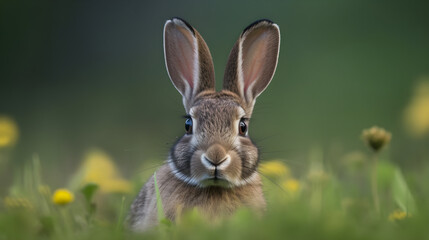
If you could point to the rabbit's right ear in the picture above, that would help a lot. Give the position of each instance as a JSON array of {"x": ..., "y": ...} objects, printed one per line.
[
  {"x": 253, "y": 60},
  {"x": 188, "y": 60}
]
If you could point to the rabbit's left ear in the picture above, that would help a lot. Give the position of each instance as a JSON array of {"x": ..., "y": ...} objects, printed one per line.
[
  {"x": 253, "y": 60},
  {"x": 188, "y": 60}
]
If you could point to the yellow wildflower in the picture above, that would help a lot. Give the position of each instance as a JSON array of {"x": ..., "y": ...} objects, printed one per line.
[
  {"x": 376, "y": 137},
  {"x": 291, "y": 185},
  {"x": 99, "y": 168},
  {"x": 274, "y": 168},
  {"x": 62, "y": 196},
  {"x": 8, "y": 132},
  {"x": 398, "y": 215},
  {"x": 416, "y": 114}
]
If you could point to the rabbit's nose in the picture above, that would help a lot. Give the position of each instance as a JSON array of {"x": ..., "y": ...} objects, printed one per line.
[
  {"x": 215, "y": 157},
  {"x": 211, "y": 165}
]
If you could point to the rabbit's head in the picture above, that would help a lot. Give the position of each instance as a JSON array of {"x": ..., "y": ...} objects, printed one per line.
[{"x": 216, "y": 149}]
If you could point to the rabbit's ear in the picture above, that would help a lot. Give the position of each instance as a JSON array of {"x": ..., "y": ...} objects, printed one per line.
[
  {"x": 253, "y": 60},
  {"x": 188, "y": 60}
]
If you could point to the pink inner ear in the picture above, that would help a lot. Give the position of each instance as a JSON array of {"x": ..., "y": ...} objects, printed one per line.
[
  {"x": 181, "y": 56},
  {"x": 186, "y": 56},
  {"x": 254, "y": 61}
]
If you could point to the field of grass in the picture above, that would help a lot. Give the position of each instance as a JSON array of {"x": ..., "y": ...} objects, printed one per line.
[{"x": 363, "y": 196}]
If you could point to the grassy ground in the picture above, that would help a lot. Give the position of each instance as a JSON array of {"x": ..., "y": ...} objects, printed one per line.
[{"x": 363, "y": 196}]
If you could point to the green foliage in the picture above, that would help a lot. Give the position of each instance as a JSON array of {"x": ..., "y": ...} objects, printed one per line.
[
  {"x": 385, "y": 174},
  {"x": 88, "y": 192},
  {"x": 401, "y": 193},
  {"x": 160, "y": 209},
  {"x": 391, "y": 179},
  {"x": 321, "y": 205}
]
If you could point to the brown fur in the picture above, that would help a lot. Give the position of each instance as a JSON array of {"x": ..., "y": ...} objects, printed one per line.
[{"x": 175, "y": 194}]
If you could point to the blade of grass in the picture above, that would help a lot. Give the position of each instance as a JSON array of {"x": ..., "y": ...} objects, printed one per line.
[
  {"x": 159, "y": 206},
  {"x": 121, "y": 215},
  {"x": 402, "y": 194}
]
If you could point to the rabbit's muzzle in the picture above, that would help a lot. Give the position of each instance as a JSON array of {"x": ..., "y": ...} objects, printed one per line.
[
  {"x": 215, "y": 158},
  {"x": 215, "y": 166}
]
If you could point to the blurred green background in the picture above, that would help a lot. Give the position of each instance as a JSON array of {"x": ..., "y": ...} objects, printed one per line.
[{"x": 82, "y": 74}]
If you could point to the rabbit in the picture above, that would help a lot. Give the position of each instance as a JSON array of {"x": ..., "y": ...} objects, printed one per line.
[{"x": 213, "y": 166}]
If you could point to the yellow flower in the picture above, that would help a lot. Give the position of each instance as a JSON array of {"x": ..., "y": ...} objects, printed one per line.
[
  {"x": 376, "y": 137},
  {"x": 99, "y": 168},
  {"x": 398, "y": 215},
  {"x": 416, "y": 114},
  {"x": 274, "y": 168},
  {"x": 8, "y": 132},
  {"x": 62, "y": 196},
  {"x": 291, "y": 185}
]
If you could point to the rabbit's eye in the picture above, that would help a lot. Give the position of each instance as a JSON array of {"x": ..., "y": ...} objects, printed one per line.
[
  {"x": 242, "y": 128},
  {"x": 188, "y": 125}
]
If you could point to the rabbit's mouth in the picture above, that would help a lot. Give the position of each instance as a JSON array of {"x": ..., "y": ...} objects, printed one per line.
[
  {"x": 215, "y": 181},
  {"x": 209, "y": 169},
  {"x": 215, "y": 172}
]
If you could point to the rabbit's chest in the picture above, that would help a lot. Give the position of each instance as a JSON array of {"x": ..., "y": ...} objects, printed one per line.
[{"x": 211, "y": 203}]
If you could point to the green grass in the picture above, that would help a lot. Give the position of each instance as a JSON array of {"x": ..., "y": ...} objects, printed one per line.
[{"x": 331, "y": 202}]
